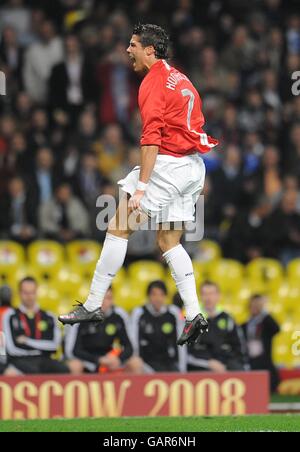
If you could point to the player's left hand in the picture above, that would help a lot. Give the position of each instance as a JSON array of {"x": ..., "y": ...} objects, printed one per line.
[{"x": 135, "y": 200}]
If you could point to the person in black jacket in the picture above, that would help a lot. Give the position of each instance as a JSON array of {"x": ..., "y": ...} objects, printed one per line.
[
  {"x": 222, "y": 348},
  {"x": 5, "y": 305},
  {"x": 44, "y": 177},
  {"x": 259, "y": 332},
  {"x": 156, "y": 327},
  {"x": 18, "y": 218},
  {"x": 31, "y": 336},
  {"x": 284, "y": 229},
  {"x": 71, "y": 83},
  {"x": 11, "y": 57},
  {"x": 102, "y": 347}
]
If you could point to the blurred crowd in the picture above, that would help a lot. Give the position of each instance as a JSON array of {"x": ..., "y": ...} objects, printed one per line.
[{"x": 69, "y": 126}]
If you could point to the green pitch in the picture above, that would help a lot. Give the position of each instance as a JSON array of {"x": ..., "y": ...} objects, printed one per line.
[{"x": 287, "y": 423}]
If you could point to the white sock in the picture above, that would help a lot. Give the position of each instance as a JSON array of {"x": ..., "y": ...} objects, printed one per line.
[
  {"x": 183, "y": 274},
  {"x": 111, "y": 260}
]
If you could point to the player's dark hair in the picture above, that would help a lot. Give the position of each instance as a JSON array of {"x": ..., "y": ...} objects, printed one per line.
[
  {"x": 29, "y": 279},
  {"x": 209, "y": 283},
  {"x": 157, "y": 285},
  {"x": 153, "y": 35}
]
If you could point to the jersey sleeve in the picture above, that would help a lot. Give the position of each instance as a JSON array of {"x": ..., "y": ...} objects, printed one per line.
[{"x": 152, "y": 106}]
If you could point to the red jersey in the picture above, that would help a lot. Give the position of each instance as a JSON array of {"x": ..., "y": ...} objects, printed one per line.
[{"x": 171, "y": 113}]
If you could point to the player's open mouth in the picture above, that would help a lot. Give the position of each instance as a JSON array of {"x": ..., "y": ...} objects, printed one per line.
[{"x": 132, "y": 60}]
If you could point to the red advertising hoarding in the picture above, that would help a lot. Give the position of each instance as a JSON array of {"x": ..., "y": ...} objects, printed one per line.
[{"x": 193, "y": 394}]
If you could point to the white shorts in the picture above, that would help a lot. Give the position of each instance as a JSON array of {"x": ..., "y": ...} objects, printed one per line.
[{"x": 173, "y": 189}]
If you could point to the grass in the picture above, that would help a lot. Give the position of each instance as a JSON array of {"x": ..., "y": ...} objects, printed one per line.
[{"x": 286, "y": 423}]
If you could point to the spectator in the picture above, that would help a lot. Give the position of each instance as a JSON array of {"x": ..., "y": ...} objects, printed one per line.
[
  {"x": 259, "y": 332},
  {"x": 11, "y": 58},
  {"x": 16, "y": 15},
  {"x": 32, "y": 335},
  {"x": 227, "y": 182},
  {"x": 110, "y": 150},
  {"x": 241, "y": 52},
  {"x": 103, "y": 347},
  {"x": 212, "y": 75},
  {"x": 252, "y": 114},
  {"x": 40, "y": 58},
  {"x": 269, "y": 178},
  {"x": 64, "y": 217},
  {"x": 294, "y": 152},
  {"x": 284, "y": 229},
  {"x": 155, "y": 329},
  {"x": 87, "y": 135},
  {"x": 8, "y": 127},
  {"x": 20, "y": 153},
  {"x": 117, "y": 86},
  {"x": 18, "y": 219},
  {"x": 248, "y": 234},
  {"x": 44, "y": 178},
  {"x": 222, "y": 348},
  {"x": 22, "y": 110},
  {"x": 71, "y": 83},
  {"x": 5, "y": 305},
  {"x": 89, "y": 180},
  {"x": 39, "y": 131}
]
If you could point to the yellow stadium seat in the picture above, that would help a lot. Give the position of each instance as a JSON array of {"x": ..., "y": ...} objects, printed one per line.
[
  {"x": 129, "y": 296},
  {"x": 12, "y": 258},
  {"x": 228, "y": 274},
  {"x": 266, "y": 274},
  {"x": 65, "y": 305},
  {"x": 209, "y": 251},
  {"x": 67, "y": 283},
  {"x": 46, "y": 258},
  {"x": 119, "y": 279},
  {"x": 83, "y": 256},
  {"x": 277, "y": 310},
  {"x": 144, "y": 272},
  {"x": 293, "y": 273},
  {"x": 238, "y": 311},
  {"x": 201, "y": 271},
  {"x": 292, "y": 298},
  {"x": 282, "y": 349},
  {"x": 48, "y": 298}
]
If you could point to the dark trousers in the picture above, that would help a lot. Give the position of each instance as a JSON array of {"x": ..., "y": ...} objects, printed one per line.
[{"x": 38, "y": 365}]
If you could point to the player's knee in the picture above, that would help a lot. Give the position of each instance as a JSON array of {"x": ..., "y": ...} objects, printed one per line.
[
  {"x": 166, "y": 242},
  {"x": 124, "y": 234},
  {"x": 115, "y": 228}
]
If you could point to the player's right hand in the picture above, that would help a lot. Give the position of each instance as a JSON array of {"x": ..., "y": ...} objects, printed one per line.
[{"x": 135, "y": 200}]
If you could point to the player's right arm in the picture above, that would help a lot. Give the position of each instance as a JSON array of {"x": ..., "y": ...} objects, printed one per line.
[{"x": 148, "y": 159}]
